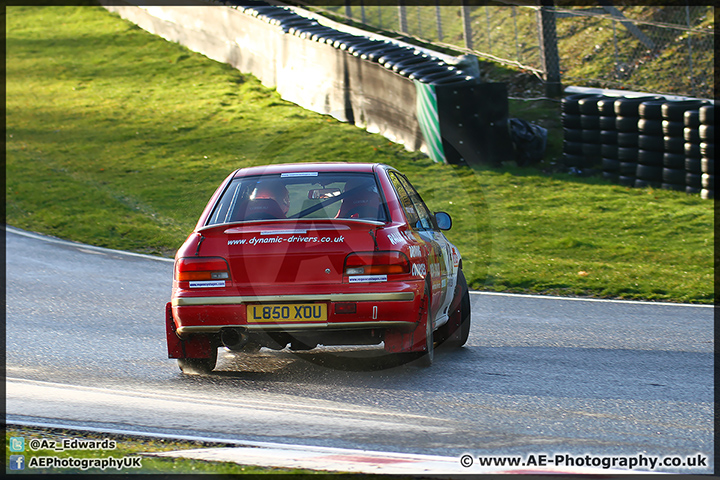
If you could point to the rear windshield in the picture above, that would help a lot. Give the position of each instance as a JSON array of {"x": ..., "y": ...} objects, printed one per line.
[{"x": 312, "y": 195}]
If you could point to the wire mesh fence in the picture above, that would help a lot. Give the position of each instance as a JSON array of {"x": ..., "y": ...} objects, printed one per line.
[{"x": 659, "y": 49}]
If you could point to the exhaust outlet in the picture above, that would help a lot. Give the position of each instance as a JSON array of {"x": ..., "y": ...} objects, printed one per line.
[{"x": 234, "y": 338}]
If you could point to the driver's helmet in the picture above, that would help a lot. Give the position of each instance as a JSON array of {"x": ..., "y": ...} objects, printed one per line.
[{"x": 273, "y": 191}]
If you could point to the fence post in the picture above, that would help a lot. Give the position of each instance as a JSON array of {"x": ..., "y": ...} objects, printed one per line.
[
  {"x": 402, "y": 16},
  {"x": 548, "y": 48},
  {"x": 467, "y": 27},
  {"x": 438, "y": 21}
]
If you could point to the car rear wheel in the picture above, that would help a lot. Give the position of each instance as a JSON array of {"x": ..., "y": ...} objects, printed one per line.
[
  {"x": 198, "y": 366},
  {"x": 456, "y": 331},
  {"x": 427, "y": 357}
]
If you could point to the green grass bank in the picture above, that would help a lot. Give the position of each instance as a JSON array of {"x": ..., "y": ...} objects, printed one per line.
[{"x": 117, "y": 138}]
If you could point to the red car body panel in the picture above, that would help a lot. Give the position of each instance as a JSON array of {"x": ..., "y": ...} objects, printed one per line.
[{"x": 291, "y": 276}]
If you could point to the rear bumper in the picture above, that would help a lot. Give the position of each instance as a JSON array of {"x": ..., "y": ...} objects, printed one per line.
[{"x": 374, "y": 310}]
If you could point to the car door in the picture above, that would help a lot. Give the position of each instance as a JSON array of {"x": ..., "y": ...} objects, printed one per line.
[{"x": 439, "y": 256}]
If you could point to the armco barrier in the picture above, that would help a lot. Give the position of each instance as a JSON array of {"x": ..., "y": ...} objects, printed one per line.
[{"x": 412, "y": 96}]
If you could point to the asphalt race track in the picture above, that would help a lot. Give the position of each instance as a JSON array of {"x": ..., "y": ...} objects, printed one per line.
[{"x": 539, "y": 375}]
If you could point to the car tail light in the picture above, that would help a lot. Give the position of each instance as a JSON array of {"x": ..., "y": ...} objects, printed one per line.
[
  {"x": 346, "y": 307},
  {"x": 376, "y": 263},
  {"x": 201, "y": 268}
]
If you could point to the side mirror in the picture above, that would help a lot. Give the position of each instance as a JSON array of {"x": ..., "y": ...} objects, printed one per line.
[{"x": 443, "y": 220}]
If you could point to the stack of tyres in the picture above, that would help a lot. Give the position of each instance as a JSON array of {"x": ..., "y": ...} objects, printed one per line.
[
  {"x": 706, "y": 116},
  {"x": 627, "y": 117},
  {"x": 650, "y": 144},
  {"x": 673, "y": 124},
  {"x": 590, "y": 130},
  {"x": 691, "y": 136},
  {"x": 573, "y": 130},
  {"x": 608, "y": 139}
]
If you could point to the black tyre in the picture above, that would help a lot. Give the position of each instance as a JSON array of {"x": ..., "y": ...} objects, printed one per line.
[
  {"x": 691, "y": 135},
  {"x": 673, "y": 129},
  {"x": 591, "y": 151},
  {"x": 675, "y": 110},
  {"x": 610, "y": 165},
  {"x": 672, "y": 186},
  {"x": 649, "y": 173},
  {"x": 611, "y": 176},
  {"x": 452, "y": 334},
  {"x": 629, "y": 106},
  {"x": 608, "y": 137},
  {"x": 626, "y": 124},
  {"x": 427, "y": 357},
  {"x": 627, "y": 139},
  {"x": 628, "y": 169},
  {"x": 650, "y": 157},
  {"x": 674, "y": 144},
  {"x": 707, "y": 194},
  {"x": 692, "y": 190},
  {"x": 574, "y": 148},
  {"x": 626, "y": 180},
  {"x": 642, "y": 183},
  {"x": 607, "y": 122},
  {"x": 674, "y": 176},
  {"x": 693, "y": 165},
  {"x": 590, "y": 122},
  {"x": 198, "y": 366},
  {"x": 628, "y": 154},
  {"x": 588, "y": 105},
  {"x": 651, "y": 110},
  {"x": 707, "y": 150},
  {"x": 693, "y": 180},
  {"x": 650, "y": 127},
  {"x": 691, "y": 118},
  {"x": 692, "y": 150},
  {"x": 571, "y": 121},
  {"x": 674, "y": 160},
  {"x": 707, "y": 133},
  {"x": 708, "y": 181},
  {"x": 590, "y": 136},
  {"x": 707, "y": 165},
  {"x": 707, "y": 114},
  {"x": 606, "y": 106},
  {"x": 651, "y": 142},
  {"x": 609, "y": 151},
  {"x": 570, "y": 105},
  {"x": 572, "y": 134}
]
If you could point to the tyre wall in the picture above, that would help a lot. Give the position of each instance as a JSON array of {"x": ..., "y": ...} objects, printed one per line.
[
  {"x": 642, "y": 141},
  {"x": 421, "y": 99}
]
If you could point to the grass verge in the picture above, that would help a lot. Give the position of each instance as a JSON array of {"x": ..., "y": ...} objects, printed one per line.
[{"x": 117, "y": 138}]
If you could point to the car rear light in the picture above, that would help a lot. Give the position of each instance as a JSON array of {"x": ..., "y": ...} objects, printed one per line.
[
  {"x": 376, "y": 263},
  {"x": 201, "y": 268},
  {"x": 346, "y": 307}
]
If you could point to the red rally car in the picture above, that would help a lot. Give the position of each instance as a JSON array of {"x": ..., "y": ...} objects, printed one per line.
[{"x": 311, "y": 254}]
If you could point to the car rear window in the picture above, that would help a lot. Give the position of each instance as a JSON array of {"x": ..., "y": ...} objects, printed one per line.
[{"x": 312, "y": 195}]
